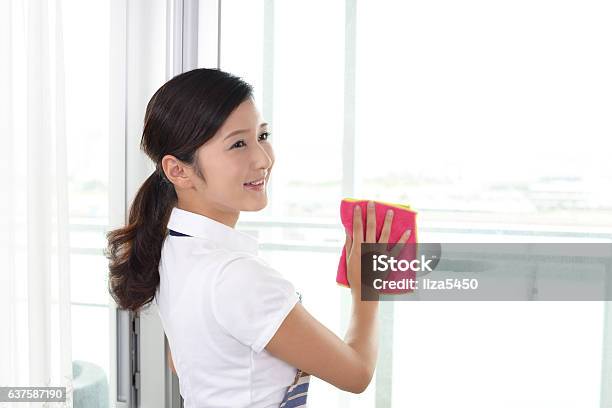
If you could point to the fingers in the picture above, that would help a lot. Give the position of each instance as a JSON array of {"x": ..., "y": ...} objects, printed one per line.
[
  {"x": 348, "y": 244},
  {"x": 400, "y": 243},
  {"x": 386, "y": 229},
  {"x": 371, "y": 223},
  {"x": 357, "y": 226},
  {"x": 404, "y": 237}
]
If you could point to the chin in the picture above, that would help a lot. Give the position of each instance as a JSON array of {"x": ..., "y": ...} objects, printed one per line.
[{"x": 256, "y": 206}]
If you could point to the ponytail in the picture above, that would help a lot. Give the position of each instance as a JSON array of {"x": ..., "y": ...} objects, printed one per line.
[{"x": 134, "y": 251}]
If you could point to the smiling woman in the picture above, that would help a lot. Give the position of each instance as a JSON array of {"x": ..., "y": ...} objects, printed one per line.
[{"x": 238, "y": 333}]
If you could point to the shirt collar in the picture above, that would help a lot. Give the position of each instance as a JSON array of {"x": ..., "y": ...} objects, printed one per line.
[{"x": 201, "y": 226}]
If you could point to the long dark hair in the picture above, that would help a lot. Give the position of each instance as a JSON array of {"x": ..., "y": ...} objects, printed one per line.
[{"x": 180, "y": 117}]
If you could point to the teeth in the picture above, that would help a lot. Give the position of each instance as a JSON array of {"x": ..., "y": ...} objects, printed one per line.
[{"x": 256, "y": 183}]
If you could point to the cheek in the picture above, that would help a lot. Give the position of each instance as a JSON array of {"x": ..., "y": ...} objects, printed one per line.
[
  {"x": 231, "y": 174},
  {"x": 221, "y": 172}
]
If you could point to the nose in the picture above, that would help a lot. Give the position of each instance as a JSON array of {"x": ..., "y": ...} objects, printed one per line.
[{"x": 263, "y": 159}]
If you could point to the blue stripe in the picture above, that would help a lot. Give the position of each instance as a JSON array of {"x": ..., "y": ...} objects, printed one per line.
[
  {"x": 302, "y": 388},
  {"x": 299, "y": 389},
  {"x": 177, "y": 234},
  {"x": 298, "y": 402}
]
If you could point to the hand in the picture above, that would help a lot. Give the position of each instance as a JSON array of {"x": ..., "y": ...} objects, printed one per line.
[{"x": 353, "y": 244}]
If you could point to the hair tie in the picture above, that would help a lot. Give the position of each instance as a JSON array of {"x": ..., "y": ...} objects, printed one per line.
[{"x": 161, "y": 175}]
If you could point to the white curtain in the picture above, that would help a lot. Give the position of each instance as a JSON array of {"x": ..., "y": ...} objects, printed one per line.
[{"x": 35, "y": 323}]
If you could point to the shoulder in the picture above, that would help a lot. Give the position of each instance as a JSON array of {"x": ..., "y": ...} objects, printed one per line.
[
  {"x": 250, "y": 299},
  {"x": 197, "y": 253},
  {"x": 245, "y": 269}
]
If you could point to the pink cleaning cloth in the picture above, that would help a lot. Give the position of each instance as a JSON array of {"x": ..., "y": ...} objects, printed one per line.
[{"x": 403, "y": 218}]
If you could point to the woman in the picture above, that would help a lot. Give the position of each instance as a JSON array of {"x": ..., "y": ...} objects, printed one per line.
[{"x": 236, "y": 328}]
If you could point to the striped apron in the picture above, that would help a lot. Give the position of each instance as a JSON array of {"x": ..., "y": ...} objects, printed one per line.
[{"x": 297, "y": 392}]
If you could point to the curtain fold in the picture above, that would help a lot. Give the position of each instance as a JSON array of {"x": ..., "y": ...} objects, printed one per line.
[{"x": 35, "y": 340}]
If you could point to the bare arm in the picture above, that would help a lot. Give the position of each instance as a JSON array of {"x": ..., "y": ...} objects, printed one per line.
[
  {"x": 362, "y": 334},
  {"x": 304, "y": 342}
]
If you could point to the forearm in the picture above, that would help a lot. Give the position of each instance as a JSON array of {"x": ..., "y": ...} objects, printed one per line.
[{"x": 362, "y": 333}]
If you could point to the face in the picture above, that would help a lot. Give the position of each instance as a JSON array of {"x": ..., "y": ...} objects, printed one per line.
[{"x": 235, "y": 164}]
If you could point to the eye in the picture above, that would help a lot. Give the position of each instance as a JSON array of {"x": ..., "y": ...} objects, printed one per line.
[
  {"x": 264, "y": 136},
  {"x": 239, "y": 143}
]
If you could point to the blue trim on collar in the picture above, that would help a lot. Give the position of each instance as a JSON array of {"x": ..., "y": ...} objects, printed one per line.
[{"x": 177, "y": 234}]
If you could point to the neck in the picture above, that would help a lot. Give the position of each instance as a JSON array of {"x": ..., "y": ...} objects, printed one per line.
[{"x": 229, "y": 218}]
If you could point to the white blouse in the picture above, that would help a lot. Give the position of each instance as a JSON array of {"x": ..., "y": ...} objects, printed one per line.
[{"x": 220, "y": 305}]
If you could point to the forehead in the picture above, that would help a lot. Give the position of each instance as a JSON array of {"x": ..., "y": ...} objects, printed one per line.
[{"x": 245, "y": 116}]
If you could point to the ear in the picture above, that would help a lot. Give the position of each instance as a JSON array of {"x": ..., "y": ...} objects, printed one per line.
[{"x": 177, "y": 172}]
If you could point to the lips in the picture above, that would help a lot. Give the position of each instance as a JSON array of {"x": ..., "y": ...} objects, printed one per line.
[{"x": 255, "y": 183}]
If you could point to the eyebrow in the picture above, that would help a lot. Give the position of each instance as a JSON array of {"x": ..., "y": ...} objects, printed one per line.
[{"x": 235, "y": 132}]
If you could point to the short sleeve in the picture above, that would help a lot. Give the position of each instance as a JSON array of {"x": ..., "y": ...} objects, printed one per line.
[{"x": 251, "y": 300}]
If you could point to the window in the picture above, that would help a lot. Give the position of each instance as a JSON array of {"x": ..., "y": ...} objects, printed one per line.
[
  {"x": 86, "y": 42},
  {"x": 490, "y": 120}
]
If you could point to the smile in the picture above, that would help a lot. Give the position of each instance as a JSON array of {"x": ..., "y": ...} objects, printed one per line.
[{"x": 257, "y": 185}]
